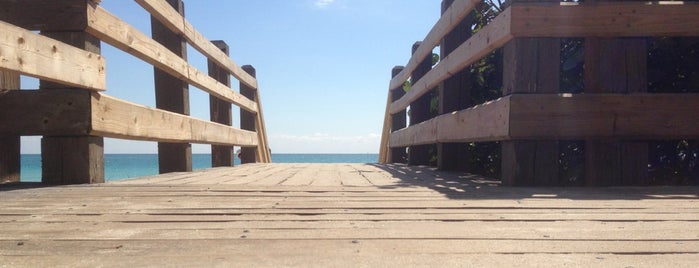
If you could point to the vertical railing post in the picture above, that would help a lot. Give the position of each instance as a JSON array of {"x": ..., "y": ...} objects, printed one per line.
[
  {"x": 420, "y": 111},
  {"x": 248, "y": 119},
  {"x": 616, "y": 65},
  {"x": 172, "y": 94},
  {"x": 220, "y": 111},
  {"x": 76, "y": 159},
  {"x": 398, "y": 121},
  {"x": 10, "y": 159},
  {"x": 454, "y": 93},
  {"x": 531, "y": 65}
]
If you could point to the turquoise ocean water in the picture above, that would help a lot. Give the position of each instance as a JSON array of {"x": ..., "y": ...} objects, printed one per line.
[{"x": 121, "y": 166}]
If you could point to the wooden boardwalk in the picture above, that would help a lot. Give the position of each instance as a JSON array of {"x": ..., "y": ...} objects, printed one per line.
[{"x": 344, "y": 215}]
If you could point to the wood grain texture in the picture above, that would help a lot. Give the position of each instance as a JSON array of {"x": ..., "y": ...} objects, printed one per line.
[
  {"x": 53, "y": 112},
  {"x": 486, "y": 122},
  {"x": 116, "y": 118},
  {"x": 327, "y": 215},
  {"x": 552, "y": 116},
  {"x": 616, "y": 19},
  {"x": 10, "y": 161},
  {"x": 178, "y": 24},
  {"x": 531, "y": 65},
  {"x": 42, "y": 15},
  {"x": 118, "y": 33},
  {"x": 220, "y": 111},
  {"x": 492, "y": 36},
  {"x": 447, "y": 22},
  {"x": 45, "y": 58}
]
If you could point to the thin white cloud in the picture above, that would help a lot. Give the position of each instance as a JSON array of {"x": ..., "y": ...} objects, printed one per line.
[{"x": 323, "y": 3}]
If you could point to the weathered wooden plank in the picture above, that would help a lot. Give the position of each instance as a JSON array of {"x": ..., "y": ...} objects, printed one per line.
[
  {"x": 54, "y": 112},
  {"x": 171, "y": 94},
  {"x": 492, "y": 36},
  {"x": 118, "y": 33},
  {"x": 327, "y": 253},
  {"x": 420, "y": 111},
  {"x": 454, "y": 93},
  {"x": 220, "y": 111},
  {"x": 486, "y": 122},
  {"x": 637, "y": 116},
  {"x": 68, "y": 159},
  {"x": 447, "y": 22},
  {"x": 116, "y": 118},
  {"x": 531, "y": 65},
  {"x": 10, "y": 161},
  {"x": 42, "y": 15},
  {"x": 617, "y": 19},
  {"x": 378, "y": 229},
  {"x": 45, "y": 58},
  {"x": 178, "y": 24},
  {"x": 565, "y": 116}
]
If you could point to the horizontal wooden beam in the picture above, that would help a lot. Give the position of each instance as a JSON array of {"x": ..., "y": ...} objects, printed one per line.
[
  {"x": 38, "y": 56},
  {"x": 493, "y": 36},
  {"x": 52, "y": 112},
  {"x": 485, "y": 122},
  {"x": 634, "y": 116},
  {"x": 116, "y": 118},
  {"x": 605, "y": 19},
  {"x": 446, "y": 23},
  {"x": 42, "y": 15},
  {"x": 120, "y": 34},
  {"x": 564, "y": 116},
  {"x": 70, "y": 112},
  {"x": 169, "y": 17}
]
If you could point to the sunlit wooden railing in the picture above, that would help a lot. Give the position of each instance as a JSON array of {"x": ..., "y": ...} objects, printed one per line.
[
  {"x": 614, "y": 115},
  {"x": 73, "y": 110}
]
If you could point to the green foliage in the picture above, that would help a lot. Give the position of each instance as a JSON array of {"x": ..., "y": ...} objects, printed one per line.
[
  {"x": 406, "y": 86},
  {"x": 435, "y": 59}
]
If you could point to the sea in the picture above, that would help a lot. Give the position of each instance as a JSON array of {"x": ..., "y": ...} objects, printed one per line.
[{"x": 123, "y": 166}]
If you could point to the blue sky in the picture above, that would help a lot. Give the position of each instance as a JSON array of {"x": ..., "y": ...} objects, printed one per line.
[{"x": 323, "y": 66}]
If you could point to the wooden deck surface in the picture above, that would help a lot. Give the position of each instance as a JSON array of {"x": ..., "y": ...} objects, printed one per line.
[{"x": 344, "y": 215}]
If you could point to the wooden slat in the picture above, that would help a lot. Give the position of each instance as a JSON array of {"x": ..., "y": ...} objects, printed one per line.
[
  {"x": 45, "y": 58},
  {"x": 486, "y": 122},
  {"x": 635, "y": 116},
  {"x": 10, "y": 160},
  {"x": 552, "y": 116},
  {"x": 118, "y": 33},
  {"x": 491, "y": 37},
  {"x": 161, "y": 10},
  {"x": 45, "y": 112},
  {"x": 42, "y": 15},
  {"x": 450, "y": 19},
  {"x": 411, "y": 220},
  {"x": 115, "y": 118},
  {"x": 627, "y": 19}
]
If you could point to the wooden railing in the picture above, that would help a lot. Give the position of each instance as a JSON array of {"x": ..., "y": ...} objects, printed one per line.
[
  {"x": 615, "y": 117},
  {"x": 72, "y": 111}
]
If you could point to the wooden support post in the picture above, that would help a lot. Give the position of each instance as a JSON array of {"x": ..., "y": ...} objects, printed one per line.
[
  {"x": 454, "y": 94},
  {"x": 10, "y": 155},
  {"x": 616, "y": 66},
  {"x": 72, "y": 159},
  {"x": 420, "y": 111},
  {"x": 531, "y": 65},
  {"x": 247, "y": 119},
  {"x": 220, "y": 111},
  {"x": 172, "y": 94},
  {"x": 398, "y": 121}
]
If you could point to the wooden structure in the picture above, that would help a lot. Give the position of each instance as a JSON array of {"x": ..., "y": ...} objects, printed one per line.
[
  {"x": 615, "y": 116},
  {"x": 72, "y": 111},
  {"x": 344, "y": 215}
]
